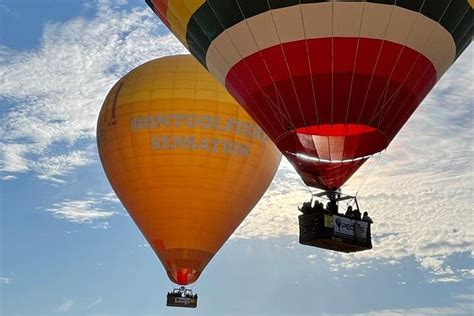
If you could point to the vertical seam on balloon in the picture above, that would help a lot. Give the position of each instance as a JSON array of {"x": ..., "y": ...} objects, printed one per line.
[
  {"x": 396, "y": 93},
  {"x": 411, "y": 109},
  {"x": 406, "y": 77},
  {"x": 269, "y": 101},
  {"x": 455, "y": 28},
  {"x": 309, "y": 63},
  {"x": 278, "y": 96},
  {"x": 415, "y": 104},
  {"x": 130, "y": 131},
  {"x": 254, "y": 101},
  {"x": 355, "y": 62},
  {"x": 114, "y": 104},
  {"x": 353, "y": 73},
  {"x": 439, "y": 19},
  {"x": 375, "y": 65},
  {"x": 287, "y": 66},
  {"x": 277, "y": 93},
  {"x": 463, "y": 44},
  {"x": 155, "y": 8},
  {"x": 148, "y": 131},
  {"x": 385, "y": 90},
  {"x": 177, "y": 23},
  {"x": 332, "y": 75},
  {"x": 220, "y": 54},
  {"x": 178, "y": 18},
  {"x": 155, "y": 76},
  {"x": 107, "y": 100},
  {"x": 188, "y": 218}
]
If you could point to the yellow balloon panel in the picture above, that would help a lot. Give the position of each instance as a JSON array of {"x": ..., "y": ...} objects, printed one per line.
[{"x": 185, "y": 159}]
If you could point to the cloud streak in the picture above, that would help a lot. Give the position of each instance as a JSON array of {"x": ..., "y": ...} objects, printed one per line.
[
  {"x": 95, "y": 303},
  {"x": 54, "y": 93},
  {"x": 65, "y": 306},
  {"x": 5, "y": 280},
  {"x": 92, "y": 211}
]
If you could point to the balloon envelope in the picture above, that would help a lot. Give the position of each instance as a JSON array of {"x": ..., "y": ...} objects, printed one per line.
[
  {"x": 184, "y": 158},
  {"x": 331, "y": 82}
]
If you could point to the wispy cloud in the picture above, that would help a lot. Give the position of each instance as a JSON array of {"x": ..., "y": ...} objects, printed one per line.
[
  {"x": 9, "y": 177},
  {"x": 54, "y": 92},
  {"x": 95, "y": 303},
  {"x": 65, "y": 306},
  {"x": 93, "y": 210},
  {"x": 5, "y": 280},
  {"x": 456, "y": 309}
]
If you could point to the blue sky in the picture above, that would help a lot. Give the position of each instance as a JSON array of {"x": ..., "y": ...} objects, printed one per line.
[{"x": 68, "y": 247}]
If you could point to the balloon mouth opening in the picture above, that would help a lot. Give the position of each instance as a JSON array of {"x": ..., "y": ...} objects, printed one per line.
[
  {"x": 336, "y": 130},
  {"x": 316, "y": 159},
  {"x": 339, "y": 143},
  {"x": 183, "y": 276}
]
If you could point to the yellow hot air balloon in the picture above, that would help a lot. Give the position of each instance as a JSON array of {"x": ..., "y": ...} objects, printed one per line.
[{"x": 187, "y": 162}]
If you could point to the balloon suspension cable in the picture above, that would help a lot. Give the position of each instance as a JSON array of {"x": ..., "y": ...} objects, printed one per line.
[
  {"x": 309, "y": 190},
  {"x": 370, "y": 172},
  {"x": 336, "y": 195}
]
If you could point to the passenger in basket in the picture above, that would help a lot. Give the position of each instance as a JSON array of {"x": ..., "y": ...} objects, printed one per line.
[
  {"x": 367, "y": 218},
  {"x": 356, "y": 214},
  {"x": 349, "y": 212},
  {"x": 318, "y": 207},
  {"x": 306, "y": 208},
  {"x": 332, "y": 206}
]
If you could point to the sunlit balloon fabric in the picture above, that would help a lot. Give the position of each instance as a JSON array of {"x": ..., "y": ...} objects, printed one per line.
[
  {"x": 331, "y": 82},
  {"x": 185, "y": 159}
]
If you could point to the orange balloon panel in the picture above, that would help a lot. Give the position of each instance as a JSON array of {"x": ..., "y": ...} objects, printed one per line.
[{"x": 185, "y": 159}]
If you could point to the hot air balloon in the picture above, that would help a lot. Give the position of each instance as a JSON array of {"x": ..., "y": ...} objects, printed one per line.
[
  {"x": 331, "y": 82},
  {"x": 187, "y": 162}
]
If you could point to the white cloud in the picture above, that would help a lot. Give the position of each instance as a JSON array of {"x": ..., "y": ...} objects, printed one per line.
[
  {"x": 455, "y": 309},
  {"x": 466, "y": 297},
  {"x": 9, "y": 177},
  {"x": 56, "y": 90},
  {"x": 13, "y": 158},
  {"x": 65, "y": 306},
  {"x": 58, "y": 165},
  {"x": 276, "y": 213},
  {"x": 95, "y": 303},
  {"x": 420, "y": 194},
  {"x": 5, "y": 280},
  {"x": 87, "y": 211},
  {"x": 467, "y": 273}
]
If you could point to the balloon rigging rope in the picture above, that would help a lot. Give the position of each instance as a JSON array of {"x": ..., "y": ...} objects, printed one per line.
[
  {"x": 270, "y": 102},
  {"x": 222, "y": 57},
  {"x": 375, "y": 66},
  {"x": 287, "y": 66},
  {"x": 355, "y": 61},
  {"x": 332, "y": 69},
  {"x": 395, "y": 64},
  {"x": 370, "y": 172},
  {"x": 419, "y": 77},
  {"x": 267, "y": 98},
  {"x": 353, "y": 73},
  {"x": 309, "y": 64}
]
